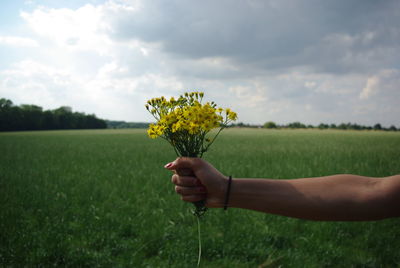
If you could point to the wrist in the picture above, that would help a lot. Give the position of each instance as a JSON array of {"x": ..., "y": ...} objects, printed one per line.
[
  {"x": 216, "y": 199},
  {"x": 228, "y": 190}
]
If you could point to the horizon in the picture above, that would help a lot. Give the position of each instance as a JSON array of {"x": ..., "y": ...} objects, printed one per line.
[
  {"x": 308, "y": 62},
  {"x": 246, "y": 124}
]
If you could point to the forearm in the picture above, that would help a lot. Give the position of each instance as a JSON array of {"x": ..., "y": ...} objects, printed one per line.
[{"x": 338, "y": 197}]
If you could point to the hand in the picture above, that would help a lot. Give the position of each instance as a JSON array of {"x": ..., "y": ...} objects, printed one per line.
[{"x": 206, "y": 183}]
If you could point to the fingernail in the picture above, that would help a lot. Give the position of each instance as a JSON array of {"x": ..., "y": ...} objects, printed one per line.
[{"x": 168, "y": 165}]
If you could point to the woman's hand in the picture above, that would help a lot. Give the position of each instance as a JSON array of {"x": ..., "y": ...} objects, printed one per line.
[{"x": 207, "y": 183}]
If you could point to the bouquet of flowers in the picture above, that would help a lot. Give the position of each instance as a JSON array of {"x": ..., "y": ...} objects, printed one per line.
[{"x": 185, "y": 123}]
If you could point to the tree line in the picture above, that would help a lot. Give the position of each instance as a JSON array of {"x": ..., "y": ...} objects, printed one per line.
[
  {"x": 33, "y": 117},
  {"x": 297, "y": 125},
  {"x": 123, "y": 124}
]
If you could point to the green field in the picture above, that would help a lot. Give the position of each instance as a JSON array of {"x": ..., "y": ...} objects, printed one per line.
[{"x": 103, "y": 199}]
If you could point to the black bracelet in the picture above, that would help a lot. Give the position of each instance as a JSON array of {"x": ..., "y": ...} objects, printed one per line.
[{"x": 227, "y": 193}]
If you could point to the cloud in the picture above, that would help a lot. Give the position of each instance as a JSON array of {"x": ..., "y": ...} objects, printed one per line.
[
  {"x": 284, "y": 61},
  {"x": 110, "y": 94},
  {"x": 36, "y": 82},
  {"x": 17, "y": 41},
  {"x": 79, "y": 29},
  {"x": 386, "y": 83},
  {"x": 370, "y": 88},
  {"x": 267, "y": 35}
]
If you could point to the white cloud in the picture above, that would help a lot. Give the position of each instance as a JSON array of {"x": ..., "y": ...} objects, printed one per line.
[
  {"x": 107, "y": 94},
  {"x": 80, "y": 29},
  {"x": 370, "y": 88},
  {"x": 18, "y": 41},
  {"x": 250, "y": 96},
  {"x": 32, "y": 81},
  {"x": 386, "y": 82}
]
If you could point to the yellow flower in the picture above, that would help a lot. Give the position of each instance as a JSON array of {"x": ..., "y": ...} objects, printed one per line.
[
  {"x": 160, "y": 130},
  {"x": 152, "y": 131},
  {"x": 185, "y": 121},
  {"x": 193, "y": 128},
  {"x": 207, "y": 126},
  {"x": 232, "y": 116},
  {"x": 176, "y": 127}
]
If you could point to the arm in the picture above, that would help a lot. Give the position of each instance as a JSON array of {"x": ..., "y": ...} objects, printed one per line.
[{"x": 339, "y": 197}]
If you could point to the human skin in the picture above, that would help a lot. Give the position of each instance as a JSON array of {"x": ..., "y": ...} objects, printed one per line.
[{"x": 342, "y": 197}]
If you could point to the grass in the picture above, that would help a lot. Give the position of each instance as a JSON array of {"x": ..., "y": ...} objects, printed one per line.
[{"x": 103, "y": 199}]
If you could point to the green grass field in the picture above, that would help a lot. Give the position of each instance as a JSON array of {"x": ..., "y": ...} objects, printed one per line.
[{"x": 103, "y": 199}]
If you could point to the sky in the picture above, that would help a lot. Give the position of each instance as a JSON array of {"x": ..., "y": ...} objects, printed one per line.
[{"x": 268, "y": 60}]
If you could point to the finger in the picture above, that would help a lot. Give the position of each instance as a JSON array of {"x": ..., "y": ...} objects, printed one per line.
[
  {"x": 184, "y": 163},
  {"x": 190, "y": 190},
  {"x": 185, "y": 181},
  {"x": 193, "y": 198}
]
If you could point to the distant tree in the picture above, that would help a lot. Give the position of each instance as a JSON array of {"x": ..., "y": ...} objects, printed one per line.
[
  {"x": 63, "y": 117},
  {"x": 270, "y": 124},
  {"x": 323, "y": 126},
  {"x": 296, "y": 125},
  {"x": 377, "y": 127},
  {"x": 32, "y": 117},
  {"x": 123, "y": 124},
  {"x": 48, "y": 120},
  {"x": 342, "y": 126},
  {"x": 5, "y": 104},
  {"x": 333, "y": 126},
  {"x": 5, "y": 114},
  {"x": 64, "y": 109},
  {"x": 392, "y": 128},
  {"x": 240, "y": 124},
  {"x": 355, "y": 127}
]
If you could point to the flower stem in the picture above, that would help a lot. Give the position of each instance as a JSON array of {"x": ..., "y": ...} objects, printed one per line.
[{"x": 199, "y": 238}]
